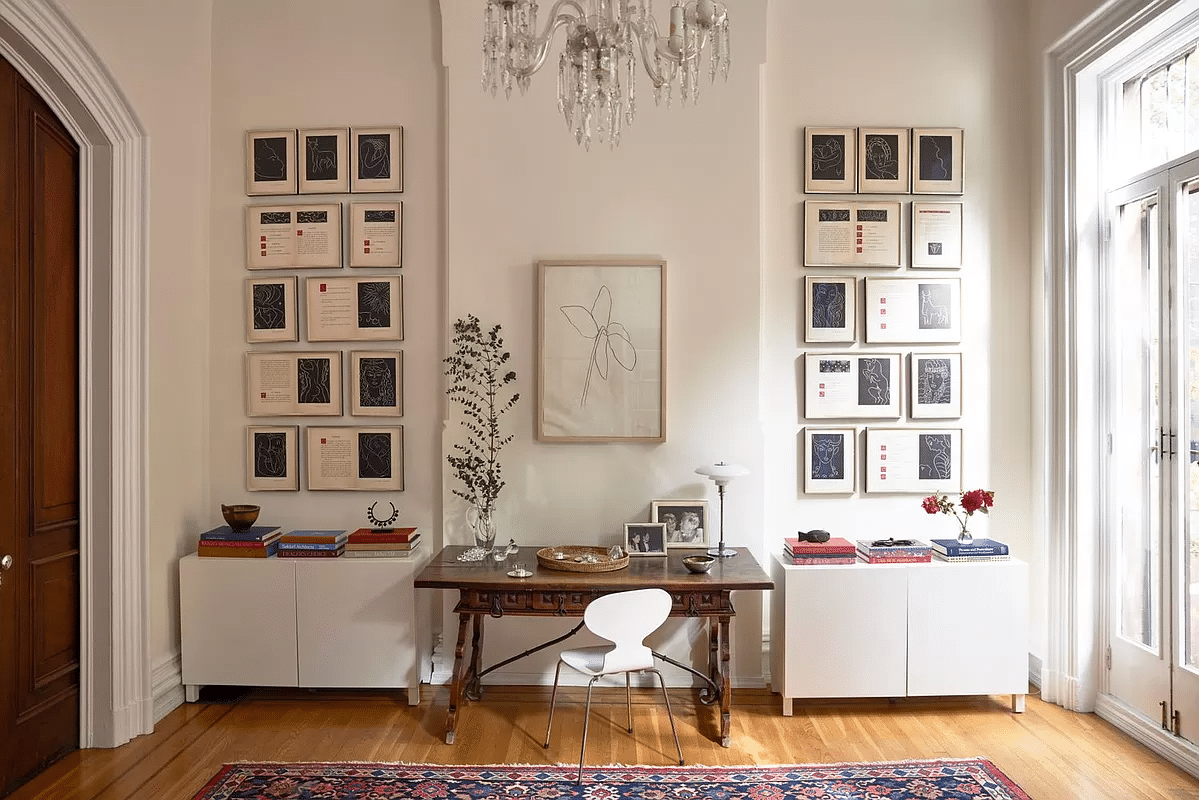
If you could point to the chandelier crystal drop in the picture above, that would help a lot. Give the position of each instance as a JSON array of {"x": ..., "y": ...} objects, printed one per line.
[{"x": 597, "y": 90}]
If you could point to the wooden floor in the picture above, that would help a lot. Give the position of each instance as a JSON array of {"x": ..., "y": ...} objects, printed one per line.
[{"x": 1052, "y": 753}]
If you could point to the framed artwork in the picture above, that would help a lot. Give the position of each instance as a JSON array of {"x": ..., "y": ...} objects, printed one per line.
[
  {"x": 271, "y": 310},
  {"x": 685, "y": 521},
  {"x": 290, "y": 237},
  {"x": 601, "y": 351},
  {"x": 829, "y": 160},
  {"x": 324, "y": 168},
  {"x": 913, "y": 310},
  {"x": 829, "y": 457},
  {"x": 831, "y": 314},
  {"x": 272, "y": 458},
  {"x": 378, "y": 159},
  {"x": 883, "y": 160},
  {"x": 377, "y": 383},
  {"x": 293, "y": 383},
  {"x": 840, "y": 385},
  {"x": 923, "y": 460},
  {"x": 376, "y": 234},
  {"x": 937, "y": 157},
  {"x": 936, "y": 381},
  {"x": 851, "y": 234},
  {"x": 271, "y": 162},
  {"x": 354, "y": 309},
  {"x": 645, "y": 538},
  {"x": 936, "y": 235},
  {"x": 355, "y": 459}
]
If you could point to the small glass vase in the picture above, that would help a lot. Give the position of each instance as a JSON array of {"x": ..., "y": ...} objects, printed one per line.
[
  {"x": 965, "y": 537},
  {"x": 481, "y": 522}
]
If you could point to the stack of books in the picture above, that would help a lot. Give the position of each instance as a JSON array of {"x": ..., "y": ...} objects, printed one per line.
[
  {"x": 834, "y": 551},
  {"x": 312, "y": 544},
  {"x": 978, "y": 550},
  {"x": 259, "y": 541},
  {"x": 382, "y": 542},
  {"x": 894, "y": 551}
]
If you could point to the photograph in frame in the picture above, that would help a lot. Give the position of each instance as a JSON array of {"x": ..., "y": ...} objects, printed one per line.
[
  {"x": 378, "y": 159},
  {"x": 937, "y": 159},
  {"x": 293, "y": 383},
  {"x": 919, "y": 310},
  {"x": 354, "y": 309},
  {"x": 271, "y": 310},
  {"x": 915, "y": 460},
  {"x": 884, "y": 156},
  {"x": 830, "y": 164},
  {"x": 645, "y": 538},
  {"x": 852, "y": 385},
  {"x": 936, "y": 381},
  {"x": 322, "y": 156},
  {"x": 844, "y": 233},
  {"x": 685, "y": 522},
  {"x": 830, "y": 313},
  {"x": 293, "y": 236},
  {"x": 377, "y": 383},
  {"x": 936, "y": 235},
  {"x": 356, "y": 459},
  {"x": 271, "y": 162},
  {"x": 829, "y": 459},
  {"x": 376, "y": 234},
  {"x": 272, "y": 458},
  {"x": 601, "y": 350}
]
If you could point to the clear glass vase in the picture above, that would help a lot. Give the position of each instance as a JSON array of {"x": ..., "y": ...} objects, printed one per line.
[
  {"x": 481, "y": 522},
  {"x": 965, "y": 537}
]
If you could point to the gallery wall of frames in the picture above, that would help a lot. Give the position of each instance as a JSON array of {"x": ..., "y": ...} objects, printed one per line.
[
  {"x": 323, "y": 342},
  {"x": 881, "y": 275}
]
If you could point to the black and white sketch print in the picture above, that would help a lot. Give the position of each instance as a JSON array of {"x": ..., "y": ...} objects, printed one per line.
[
  {"x": 374, "y": 304},
  {"x": 270, "y": 162},
  {"x": 828, "y": 456},
  {"x": 828, "y": 305},
  {"x": 936, "y": 457},
  {"x": 913, "y": 460},
  {"x": 936, "y": 158},
  {"x": 271, "y": 159},
  {"x": 374, "y": 455},
  {"x": 827, "y": 161},
  {"x": 831, "y": 159},
  {"x": 321, "y": 158},
  {"x": 374, "y": 156},
  {"x": 880, "y": 153},
  {"x": 834, "y": 365},
  {"x": 269, "y": 454},
  {"x": 272, "y": 458},
  {"x": 377, "y": 382},
  {"x": 313, "y": 381},
  {"x": 884, "y": 159},
  {"x": 936, "y": 306},
  {"x": 874, "y": 381},
  {"x": 834, "y": 215},
  {"x": 269, "y": 306},
  {"x": 934, "y": 381}
]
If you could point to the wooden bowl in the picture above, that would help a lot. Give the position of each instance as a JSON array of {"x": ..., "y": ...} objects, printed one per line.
[
  {"x": 240, "y": 517},
  {"x": 698, "y": 563}
]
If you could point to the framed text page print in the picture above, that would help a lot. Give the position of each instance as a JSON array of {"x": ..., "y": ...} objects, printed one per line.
[
  {"x": 272, "y": 458},
  {"x": 288, "y": 237},
  {"x": 376, "y": 234},
  {"x": 271, "y": 310},
  {"x": 936, "y": 381},
  {"x": 355, "y": 459},
  {"x": 829, "y": 160},
  {"x": 354, "y": 309},
  {"x": 883, "y": 156},
  {"x": 936, "y": 235},
  {"x": 851, "y": 234},
  {"x": 271, "y": 162},
  {"x": 293, "y": 383},
  {"x": 842, "y": 385},
  {"x": 913, "y": 310},
  {"x": 378, "y": 159},
  {"x": 937, "y": 161},
  {"x": 322, "y": 157},
  {"x": 831, "y": 309},
  {"x": 829, "y": 456},
  {"x": 921, "y": 460}
]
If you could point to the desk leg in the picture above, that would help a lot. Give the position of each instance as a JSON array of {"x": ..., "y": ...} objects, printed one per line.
[
  {"x": 474, "y": 677},
  {"x": 456, "y": 697},
  {"x": 726, "y": 693}
]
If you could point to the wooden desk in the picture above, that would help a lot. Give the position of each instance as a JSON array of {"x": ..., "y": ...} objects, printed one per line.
[{"x": 485, "y": 590}]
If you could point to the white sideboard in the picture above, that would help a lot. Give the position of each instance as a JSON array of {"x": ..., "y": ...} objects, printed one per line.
[
  {"x": 306, "y": 622},
  {"x": 896, "y": 630}
]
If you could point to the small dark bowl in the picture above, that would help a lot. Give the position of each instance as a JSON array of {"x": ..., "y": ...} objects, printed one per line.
[
  {"x": 240, "y": 517},
  {"x": 698, "y": 563}
]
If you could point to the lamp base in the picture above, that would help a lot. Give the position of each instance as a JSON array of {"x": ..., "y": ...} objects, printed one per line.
[{"x": 722, "y": 552}]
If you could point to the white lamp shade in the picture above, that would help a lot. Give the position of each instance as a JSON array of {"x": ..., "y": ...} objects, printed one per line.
[{"x": 720, "y": 472}]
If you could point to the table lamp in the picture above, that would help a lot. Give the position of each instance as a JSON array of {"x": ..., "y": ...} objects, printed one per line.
[{"x": 721, "y": 473}]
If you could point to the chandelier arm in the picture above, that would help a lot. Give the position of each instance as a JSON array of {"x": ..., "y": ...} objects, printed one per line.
[
  {"x": 647, "y": 62},
  {"x": 541, "y": 43}
]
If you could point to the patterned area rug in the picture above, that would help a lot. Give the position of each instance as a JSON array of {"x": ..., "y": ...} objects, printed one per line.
[{"x": 968, "y": 779}]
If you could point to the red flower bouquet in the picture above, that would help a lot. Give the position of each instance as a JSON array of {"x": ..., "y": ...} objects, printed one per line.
[{"x": 974, "y": 500}]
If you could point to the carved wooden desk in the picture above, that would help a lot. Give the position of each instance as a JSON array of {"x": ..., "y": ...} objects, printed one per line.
[{"x": 485, "y": 590}]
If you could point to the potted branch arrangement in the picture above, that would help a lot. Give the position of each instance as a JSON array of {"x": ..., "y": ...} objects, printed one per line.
[{"x": 478, "y": 377}]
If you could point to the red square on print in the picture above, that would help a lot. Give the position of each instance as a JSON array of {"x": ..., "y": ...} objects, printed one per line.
[
  {"x": 324, "y": 286},
  {"x": 882, "y": 326},
  {"x": 366, "y": 250},
  {"x": 882, "y": 301},
  {"x": 882, "y": 477},
  {"x": 299, "y": 233},
  {"x": 821, "y": 394},
  {"x": 366, "y": 242},
  {"x": 882, "y": 312},
  {"x": 262, "y": 239},
  {"x": 859, "y": 249},
  {"x": 262, "y": 395},
  {"x": 822, "y": 386},
  {"x": 882, "y": 469},
  {"x": 859, "y": 240},
  {"x": 324, "y": 440},
  {"x": 882, "y": 447},
  {"x": 883, "y": 457},
  {"x": 859, "y": 227}
]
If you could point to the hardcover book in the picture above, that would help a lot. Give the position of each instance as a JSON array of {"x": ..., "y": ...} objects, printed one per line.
[
  {"x": 963, "y": 559},
  {"x": 377, "y": 554},
  {"x": 804, "y": 561},
  {"x": 384, "y": 535},
  {"x": 265, "y": 551},
  {"x": 909, "y": 549},
  {"x": 284, "y": 544},
  {"x": 836, "y": 554},
  {"x": 316, "y": 536},
  {"x": 256, "y": 533},
  {"x": 301, "y": 553},
  {"x": 979, "y": 547},
  {"x": 397, "y": 547},
  {"x": 834, "y": 545},
  {"x": 885, "y": 559}
]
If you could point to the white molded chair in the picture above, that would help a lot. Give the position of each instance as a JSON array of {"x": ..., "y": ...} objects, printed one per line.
[{"x": 625, "y": 619}]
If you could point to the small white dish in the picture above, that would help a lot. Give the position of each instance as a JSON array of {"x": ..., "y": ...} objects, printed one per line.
[{"x": 519, "y": 573}]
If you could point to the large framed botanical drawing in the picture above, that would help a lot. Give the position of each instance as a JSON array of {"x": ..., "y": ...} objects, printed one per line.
[
  {"x": 920, "y": 460},
  {"x": 378, "y": 159},
  {"x": 857, "y": 385},
  {"x": 913, "y": 310},
  {"x": 360, "y": 459},
  {"x": 937, "y": 235},
  {"x": 829, "y": 160},
  {"x": 829, "y": 456},
  {"x": 851, "y": 234},
  {"x": 376, "y": 234},
  {"x": 601, "y": 350},
  {"x": 936, "y": 382},
  {"x": 272, "y": 458},
  {"x": 883, "y": 156},
  {"x": 831, "y": 308},
  {"x": 322, "y": 159},
  {"x": 271, "y": 162},
  {"x": 293, "y": 383},
  {"x": 377, "y": 383},
  {"x": 287, "y": 237},
  {"x": 271, "y": 310},
  {"x": 937, "y": 160},
  {"x": 354, "y": 309}
]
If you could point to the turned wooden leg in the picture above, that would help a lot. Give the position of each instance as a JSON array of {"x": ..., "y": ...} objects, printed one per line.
[{"x": 451, "y": 714}]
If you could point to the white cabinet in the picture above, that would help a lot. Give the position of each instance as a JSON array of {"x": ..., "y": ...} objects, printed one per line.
[
  {"x": 318, "y": 623},
  {"x": 895, "y": 630}
]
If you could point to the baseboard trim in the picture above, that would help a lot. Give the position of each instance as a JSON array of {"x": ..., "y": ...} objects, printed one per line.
[
  {"x": 167, "y": 681},
  {"x": 1176, "y": 750}
]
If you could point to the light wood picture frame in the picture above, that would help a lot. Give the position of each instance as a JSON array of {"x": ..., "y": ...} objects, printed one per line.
[
  {"x": 645, "y": 538},
  {"x": 293, "y": 236},
  {"x": 377, "y": 383},
  {"x": 830, "y": 160},
  {"x": 601, "y": 350},
  {"x": 938, "y": 159},
  {"x": 322, "y": 159},
  {"x": 830, "y": 458},
  {"x": 355, "y": 458},
  {"x": 377, "y": 234},
  {"x": 378, "y": 159},
  {"x": 884, "y": 160},
  {"x": 830, "y": 308},
  {"x": 936, "y": 385},
  {"x": 936, "y": 235},
  {"x": 855, "y": 385},
  {"x": 687, "y": 522},
  {"x": 272, "y": 458},
  {"x": 271, "y": 311},
  {"x": 293, "y": 383},
  {"x": 915, "y": 460},
  {"x": 853, "y": 233},
  {"x": 271, "y": 162},
  {"x": 921, "y": 310},
  {"x": 358, "y": 309}
]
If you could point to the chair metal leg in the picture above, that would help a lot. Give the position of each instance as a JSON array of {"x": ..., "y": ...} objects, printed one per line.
[
  {"x": 587, "y": 719},
  {"x": 669, "y": 715},
  {"x": 628, "y": 697},
  {"x": 553, "y": 694}
]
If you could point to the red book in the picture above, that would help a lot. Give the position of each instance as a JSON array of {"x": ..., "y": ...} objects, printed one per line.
[
  {"x": 897, "y": 559},
  {"x": 834, "y": 545},
  {"x": 310, "y": 553},
  {"x": 383, "y": 535},
  {"x": 801, "y": 561}
]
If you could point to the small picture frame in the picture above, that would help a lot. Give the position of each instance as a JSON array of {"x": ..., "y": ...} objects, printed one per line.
[
  {"x": 376, "y": 234},
  {"x": 271, "y": 310},
  {"x": 830, "y": 164},
  {"x": 645, "y": 538},
  {"x": 378, "y": 158},
  {"x": 937, "y": 160},
  {"x": 852, "y": 385},
  {"x": 911, "y": 460},
  {"x": 322, "y": 159},
  {"x": 829, "y": 458},
  {"x": 377, "y": 381},
  {"x": 884, "y": 157},
  {"x": 830, "y": 313},
  {"x": 936, "y": 235},
  {"x": 354, "y": 309},
  {"x": 685, "y": 522},
  {"x": 272, "y": 458},
  {"x": 271, "y": 162},
  {"x": 936, "y": 381}
]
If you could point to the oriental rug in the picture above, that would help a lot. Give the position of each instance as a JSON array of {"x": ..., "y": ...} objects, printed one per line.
[{"x": 951, "y": 779}]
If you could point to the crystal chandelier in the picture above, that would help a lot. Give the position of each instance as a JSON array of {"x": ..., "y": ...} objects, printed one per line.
[{"x": 603, "y": 40}]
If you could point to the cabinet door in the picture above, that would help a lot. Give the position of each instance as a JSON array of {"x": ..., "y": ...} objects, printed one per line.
[
  {"x": 968, "y": 628},
  {"x": 238, "y": 621}
]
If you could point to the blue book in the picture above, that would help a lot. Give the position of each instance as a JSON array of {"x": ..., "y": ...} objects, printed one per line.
[
  {"x": 257, "y": 533},
  {"x": 979, "y": 547},
  {"x": 286, "y": 545},
  {"x": 316, "y": 536}
]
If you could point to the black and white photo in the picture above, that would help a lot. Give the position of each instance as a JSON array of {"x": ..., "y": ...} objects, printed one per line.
[
  {"x": 645, "y": 538},
  {"x": 685, "y": 521}
]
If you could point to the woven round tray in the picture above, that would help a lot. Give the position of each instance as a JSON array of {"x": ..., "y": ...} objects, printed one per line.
[{"x": 604, "y": 562}]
